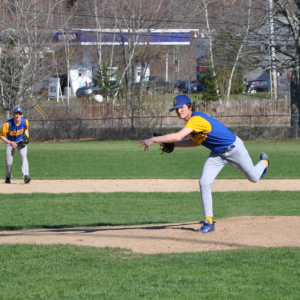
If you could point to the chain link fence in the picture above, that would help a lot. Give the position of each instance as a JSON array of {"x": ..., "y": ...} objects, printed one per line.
[{"x": 247, "y": 127}]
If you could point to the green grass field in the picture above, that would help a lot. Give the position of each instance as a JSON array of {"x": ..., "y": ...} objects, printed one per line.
[
  {"x": 74, "y": 272},
  {"x": 123, "y": 160},
  {"x": 97, "y": 209},
  {"x": 70, "y": 272}
]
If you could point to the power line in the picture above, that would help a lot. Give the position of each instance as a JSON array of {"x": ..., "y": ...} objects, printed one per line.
[
  {"x": 144, "y": 35},
  {"x": 82, "y": 16}
]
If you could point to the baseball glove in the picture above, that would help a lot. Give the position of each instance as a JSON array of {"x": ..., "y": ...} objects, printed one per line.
[
  {"x": 165, "y": 147},
  {"x": 25, "y": 140}
]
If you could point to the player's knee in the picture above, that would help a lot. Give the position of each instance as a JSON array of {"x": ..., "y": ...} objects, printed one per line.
[
  {"x": 253, "y": 179},
  {"x": 204, "y": 183}
]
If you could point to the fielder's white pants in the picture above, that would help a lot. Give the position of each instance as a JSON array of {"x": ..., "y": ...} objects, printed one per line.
[
  {"x": 237, "y": 157},
  {"x": 10, "y": 152}
]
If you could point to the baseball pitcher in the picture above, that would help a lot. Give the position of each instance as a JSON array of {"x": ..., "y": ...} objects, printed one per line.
[{"x": 225, "y": 147}]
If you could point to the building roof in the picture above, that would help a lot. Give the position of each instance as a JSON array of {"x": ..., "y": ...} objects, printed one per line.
[{"x": 114, "y": 37}]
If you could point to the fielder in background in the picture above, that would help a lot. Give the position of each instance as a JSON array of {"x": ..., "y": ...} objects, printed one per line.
[
  {"x": 225, "y": 147},
  {"x": 15, "y": 134}
]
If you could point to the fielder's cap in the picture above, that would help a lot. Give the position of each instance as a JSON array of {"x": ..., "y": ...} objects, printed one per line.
[
  {"x": 179, "y": 101},
  {"x": 18, "y": 109}
]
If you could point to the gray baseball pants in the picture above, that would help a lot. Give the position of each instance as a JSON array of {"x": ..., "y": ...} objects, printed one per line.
[
  {"x": 237, "y": 157},
  {"x": 10, "y": 151}
]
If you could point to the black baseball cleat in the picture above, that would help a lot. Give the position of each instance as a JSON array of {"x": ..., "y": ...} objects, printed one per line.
[
  {"x": 7, "y": 180},
  {"x": 27, "y": 179}
]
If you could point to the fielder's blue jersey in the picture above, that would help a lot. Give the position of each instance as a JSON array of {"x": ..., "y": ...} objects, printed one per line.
[
  {"x": 209, "y": 132},
  {"x": 14, "y": 132}
]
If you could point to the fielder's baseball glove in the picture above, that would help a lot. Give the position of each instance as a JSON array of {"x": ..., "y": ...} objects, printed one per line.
[
  {"x": 25, "y": 140},
  {"x": 165, "y": 147}
]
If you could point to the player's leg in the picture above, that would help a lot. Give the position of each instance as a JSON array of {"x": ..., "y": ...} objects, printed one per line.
[
  {"x": 240, "y": 158},
  {"x": 9, "y": 154},
  {"x": 212, "y": 167},
  {"x": 25, "y": 167}
]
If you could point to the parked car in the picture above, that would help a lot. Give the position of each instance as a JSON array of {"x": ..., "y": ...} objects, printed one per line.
[
  {"x": 180, "y": 87},
  {"x": 88, "y": 90},
  {"x": 257, "y": 86},
  {"x": 155, "y": 84},
  {"x": 185, "y": 85},
  {"x": 92, "y": 89},
  {"x": 194, "y": 87},
  {"x": 190, "y": 87}
]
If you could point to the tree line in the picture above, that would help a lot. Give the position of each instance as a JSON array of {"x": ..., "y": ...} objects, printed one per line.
[{"x": 240, "y": 36}]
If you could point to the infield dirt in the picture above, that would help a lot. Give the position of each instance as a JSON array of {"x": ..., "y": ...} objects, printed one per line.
[
  {"x": 231, "y": 233},
  {"x": 144, "y": 185}
]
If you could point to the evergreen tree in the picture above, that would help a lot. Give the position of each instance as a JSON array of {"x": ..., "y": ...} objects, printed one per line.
[
  {"x": 103, "y": 79},
  {"x": 210, "y": 87}
]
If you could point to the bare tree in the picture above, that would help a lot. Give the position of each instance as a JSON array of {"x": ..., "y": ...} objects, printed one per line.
[
  {"x": 228, "y": 24},
  {"x": 136, "y": 19},
  {"x": 291, "y": 11},
  {"x": 209, "y": 31},
  {"x": 132, "y": 24},
  {"x": 27, "y": 28},
  {"x": 278, "y": 28},
  {"x": 238, "y": 54}
]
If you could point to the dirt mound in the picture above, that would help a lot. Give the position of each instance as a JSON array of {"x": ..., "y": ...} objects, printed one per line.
[{"x": 231, "y": 233}]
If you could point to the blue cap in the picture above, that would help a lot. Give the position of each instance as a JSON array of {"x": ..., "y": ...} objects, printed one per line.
[
  {"x": 18, "y": 109},
  {"x": 179, "y": 101}
]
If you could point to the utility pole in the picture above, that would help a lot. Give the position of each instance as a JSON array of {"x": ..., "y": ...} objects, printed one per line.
[
  {"x": 167, "y": 67},
  {"x": 270, "y": 72},
  {"x": 176, "y": 62},
  {"x": 272, "y": 49},
  {"x": 269, "y": 51}
]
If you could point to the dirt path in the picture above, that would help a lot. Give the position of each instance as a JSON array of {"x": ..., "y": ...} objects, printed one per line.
[{"x": 231, "y": 233}]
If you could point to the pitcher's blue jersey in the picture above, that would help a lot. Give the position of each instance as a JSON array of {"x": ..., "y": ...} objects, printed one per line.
[
  {"x": 14, "y": 132},
  {"x": 209, "y": 132}
]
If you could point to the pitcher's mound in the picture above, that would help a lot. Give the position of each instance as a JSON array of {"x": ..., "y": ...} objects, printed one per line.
[{"x": 231, "y": 233}]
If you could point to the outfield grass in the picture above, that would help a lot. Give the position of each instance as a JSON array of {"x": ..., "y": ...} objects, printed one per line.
[
  {"x": 96, "y": 209},
  {"x": 71, "y": 272},
  {"x": 123, "y": 160}
]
